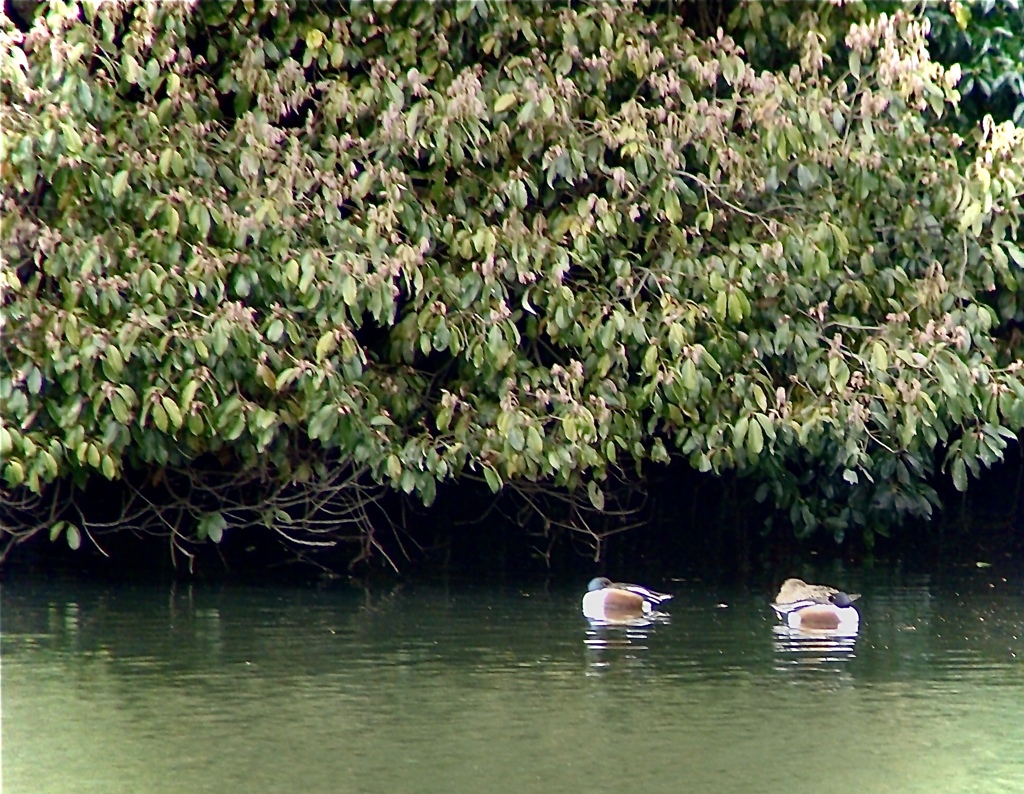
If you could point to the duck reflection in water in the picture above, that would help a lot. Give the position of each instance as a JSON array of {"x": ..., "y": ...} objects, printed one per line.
[
  {"x": 810, "y": 649},
  {"x": 619, "y": 644}
]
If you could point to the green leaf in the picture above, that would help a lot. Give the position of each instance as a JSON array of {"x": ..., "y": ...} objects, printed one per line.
[
  {"x": 493, "y": 479},
  {"x": 959, "y": 472},
  {"x": 74, "y": 537},
  {"x": 119, "y": 408},
  {"x": 739, "y": 431},
  {"x": 337, "y": 54},
  {"x": 534, "y": 440},
  {"x": 707, "y": 358},
  {"x": 349, "y": 292},
  {"x": 200, "y": 217},
  {"x": 171, "y": 221},
  {"x": 323, "y": 423},
  {"x": 689, "y": 375},
  {"x": 504, "y": 102},
  {"x": 947, "y": 382},
  {"x": 721, "y": 305},
  {"x": 673, "y": 211},
  {"x": 517, "y": 190},
  {"x": 1015, "y": 253},
  {"x": 735, "y": 307},
  {"x": 50, "y": 467},
  {"x": 972, "y": 213},
  {"x": 755, "y": 439},
  {"x": 212, "y": 526},
  {"x": 72, "y": 139},
  {"x": 159, "y": 417},
  {"x": 188, "y": 395},
  {"x": 173, "y": 414},
  {"x": 879, "y": 359},
  {"x": 766, "y": 425},
  {"x": 57, "y": 529},
  {"x": 760, "y": 398},
  {"x": 327, "y": 345},
  {"x": 650, "y": 362},
  {"x": 119, "y": 183},
  {"x": 314, "y": 39},
  {"x": 14, "y": 473},
  {"x": 264, "y": 419},
  {"x": 596, "y": 495},
  {"x": 235, "y": 428},
  {"x": 676, "y": 338},
  {"x": 114, "y": 362},
  {"x": 804, "y": 176}
]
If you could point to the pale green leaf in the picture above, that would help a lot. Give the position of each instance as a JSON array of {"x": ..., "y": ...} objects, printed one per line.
[{"x": 504, "y": 102}]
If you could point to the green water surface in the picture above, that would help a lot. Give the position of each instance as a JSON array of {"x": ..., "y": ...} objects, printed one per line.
[{"x": 469, "y": 688}]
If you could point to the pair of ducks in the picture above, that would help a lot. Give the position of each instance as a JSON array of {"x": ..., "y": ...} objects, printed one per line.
[{"x": 814, "y": 607}]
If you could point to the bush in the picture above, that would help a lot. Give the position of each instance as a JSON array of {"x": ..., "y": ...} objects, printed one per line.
[{"x": 262, "y": 260}]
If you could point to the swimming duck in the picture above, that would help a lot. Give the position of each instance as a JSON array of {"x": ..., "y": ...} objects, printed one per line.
[
  {"x": 606, "y": 600},
  {"x": 816, "y": 607}
]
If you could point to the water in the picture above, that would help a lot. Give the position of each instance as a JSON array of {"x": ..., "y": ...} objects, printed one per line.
[{"x": 433, "y": 688}]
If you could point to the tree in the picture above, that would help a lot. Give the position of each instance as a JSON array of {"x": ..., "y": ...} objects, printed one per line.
[{"x": 261, "y": 261}]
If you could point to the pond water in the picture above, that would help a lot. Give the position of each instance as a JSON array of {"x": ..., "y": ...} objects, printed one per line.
[{"x": 423, "y": 687}]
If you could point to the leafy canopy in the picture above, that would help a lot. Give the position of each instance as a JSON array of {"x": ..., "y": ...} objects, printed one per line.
[{"x": 279, "y": 256}]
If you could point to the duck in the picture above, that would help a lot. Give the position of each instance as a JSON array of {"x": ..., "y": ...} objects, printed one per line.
[
  {"x": 608, "y": 600},
  {"x": 816, "y": 607},
  {"x": 793, "y": 590}
]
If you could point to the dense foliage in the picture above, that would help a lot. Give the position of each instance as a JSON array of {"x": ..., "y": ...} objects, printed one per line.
[
  {"x": 260, "y": 258},
  {"x": 986, "y": 39}
]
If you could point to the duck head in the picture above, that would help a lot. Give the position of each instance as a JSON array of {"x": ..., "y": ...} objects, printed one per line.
[{"x": 842, "y": 599}]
